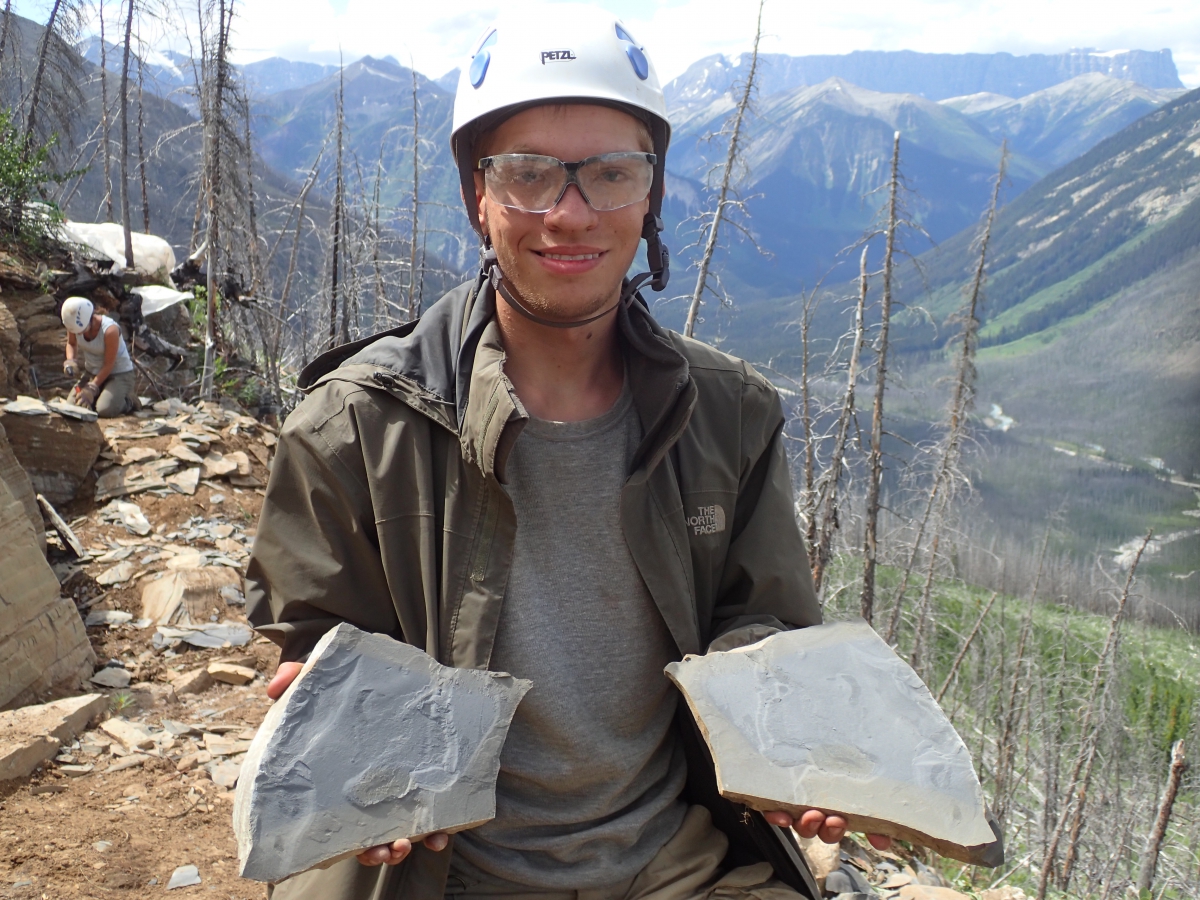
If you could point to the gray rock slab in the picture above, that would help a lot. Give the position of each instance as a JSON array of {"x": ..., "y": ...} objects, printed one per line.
[
  {"x": 829, "y": 718},
  {"x": 373, "y": 742},
  {"x": 184, "y": 876}
]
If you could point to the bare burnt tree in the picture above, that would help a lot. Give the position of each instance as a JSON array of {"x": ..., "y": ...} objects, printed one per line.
[
  {"x": 727, "y": 201},
  {"x": 214, "y": 113},
  {"x": 875, "y": 474},
  {"x": 141, "y": 147},
  {"x": 105, "y": 136},
  {"x": 947, "y": 472},
  {"x": 126, "y": 220},
  {"x": 52, "y": 105},
  {"x": 416, "y": 203},
  {"x": 338, "y": 207}
]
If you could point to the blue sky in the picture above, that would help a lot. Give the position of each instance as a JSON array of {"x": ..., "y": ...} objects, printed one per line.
[{"x": 677, "y": 32}]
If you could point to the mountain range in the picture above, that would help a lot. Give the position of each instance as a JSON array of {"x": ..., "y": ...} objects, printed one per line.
[{"x": 935, "y": 76}]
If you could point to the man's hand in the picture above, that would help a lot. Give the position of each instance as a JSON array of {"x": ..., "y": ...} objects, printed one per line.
[
  {"x": 389, "y": 854},
  {"x": 830, "y": 828}
]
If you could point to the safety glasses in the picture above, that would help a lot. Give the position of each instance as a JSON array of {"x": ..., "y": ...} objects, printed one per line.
[{"x": 535, "y": 184}]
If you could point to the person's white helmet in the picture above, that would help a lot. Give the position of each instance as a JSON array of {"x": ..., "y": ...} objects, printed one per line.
[
  {"x": 77, "y": 314},
  {"x": 559, "y": 54}
]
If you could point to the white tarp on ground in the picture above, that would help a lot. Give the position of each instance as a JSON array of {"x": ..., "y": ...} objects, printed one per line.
[
  {"x": 156, "y": 298},
  {"x": 152, "y": 256}
]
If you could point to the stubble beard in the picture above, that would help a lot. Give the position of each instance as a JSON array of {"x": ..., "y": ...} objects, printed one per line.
[{"x": 585, "y": 300}]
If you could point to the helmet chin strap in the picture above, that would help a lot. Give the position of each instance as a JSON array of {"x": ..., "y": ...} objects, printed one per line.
[{"x": 656, "y": 254}]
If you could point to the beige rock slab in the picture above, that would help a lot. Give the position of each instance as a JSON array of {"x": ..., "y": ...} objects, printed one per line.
[
  {"x": 925, "y": 892},
  {"x": 182, "y": 452},
  {"x": 829, "y": 718},
  {"x": 197, "y": 681},
  {"x": 217, "y": 465},
  {"x": 822, "y": 858},
  {"x": 1004, "y": 892},
  {"x": 228, "y": 673},
  {"x": 188, "y": 595},
  {"x": 131, "y": 735},
  {"x": 31, "y": 735},
  {"x": 42, "y": 639}
]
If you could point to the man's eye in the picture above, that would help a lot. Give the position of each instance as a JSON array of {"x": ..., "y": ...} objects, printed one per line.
[
  {"x": 526, "y": 176},
  {"x": 613, "y": 175}
]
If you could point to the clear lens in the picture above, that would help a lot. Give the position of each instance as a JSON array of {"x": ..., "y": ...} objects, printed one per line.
[{"x": 535, "y": 184}]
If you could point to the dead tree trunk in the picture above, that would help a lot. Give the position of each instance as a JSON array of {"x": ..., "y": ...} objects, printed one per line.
[
  {"x": 871, "y": 540},
  {"x": 962, "y": 653},
  {"x": 337, "y": 226},
  {"x": 213, "y": 127},
  {"x": 379, "y": 312},
  {"x": 806, "y": 421},
  {"x": 1081, "y": 774},
  {"x": 39, "y": 74},
  {"x": 256, "y": 273},
  {"x": 723, "y": 196},
  {"x": 4, "y": 29},
  {"x": 141, "y": 141},
  {"x": 827, "y": 491},
  {"x": 416, "y": 182},
  {"x": 125, "y": 218},
  {"x": 960, "y": 403},
  {"x": 1155, "y": 841},
  {"x": 104, "y": 126}
]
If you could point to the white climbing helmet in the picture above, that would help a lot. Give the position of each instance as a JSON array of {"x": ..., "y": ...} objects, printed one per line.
[
  {"x": 77, "y": 314},
  {"x": 554, "y": 54}
]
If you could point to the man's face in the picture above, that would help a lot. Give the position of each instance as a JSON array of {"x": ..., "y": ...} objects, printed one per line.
[{"x": 566, "y": 263}]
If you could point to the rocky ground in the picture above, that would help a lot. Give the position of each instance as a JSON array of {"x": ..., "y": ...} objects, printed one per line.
[
  {"x": 119, "y": 814},
  {"x": 138, "y": 802}
]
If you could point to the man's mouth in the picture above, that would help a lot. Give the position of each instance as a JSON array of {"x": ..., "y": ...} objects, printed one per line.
[{"x": 570, "y": 257}]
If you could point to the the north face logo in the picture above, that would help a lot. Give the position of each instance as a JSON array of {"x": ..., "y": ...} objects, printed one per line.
[{"x": 708, "y": 520}]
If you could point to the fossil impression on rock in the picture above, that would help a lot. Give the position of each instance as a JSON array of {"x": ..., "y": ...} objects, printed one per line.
[
  {"x": 829, "y": 718},
  {"x": 374, "y": 741}
]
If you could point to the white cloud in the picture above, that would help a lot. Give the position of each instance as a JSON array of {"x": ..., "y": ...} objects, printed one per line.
[{"x": 678, "y": 32}]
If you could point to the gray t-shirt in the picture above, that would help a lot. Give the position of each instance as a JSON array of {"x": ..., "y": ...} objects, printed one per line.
[{"x": 591, "y": 773}]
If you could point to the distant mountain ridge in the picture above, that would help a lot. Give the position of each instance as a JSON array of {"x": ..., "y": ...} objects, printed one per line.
[
  {"x": 935, "y": 76},
  {"x": 1058, "y": 124}
]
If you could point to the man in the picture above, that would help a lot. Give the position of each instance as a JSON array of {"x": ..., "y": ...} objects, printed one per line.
[
  {"x": 111, "y": 389},
  {"x": 537, "y": 478}
]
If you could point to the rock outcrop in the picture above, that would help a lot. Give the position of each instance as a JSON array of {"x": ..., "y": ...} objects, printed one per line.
[
  {"x": 19, "y": 485},
  {"x": 57, "y": 451},
  {"x": 43, "y": 643}
]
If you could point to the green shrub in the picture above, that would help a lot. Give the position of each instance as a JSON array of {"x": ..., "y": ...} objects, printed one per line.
[{"x": 26, "y": 220}]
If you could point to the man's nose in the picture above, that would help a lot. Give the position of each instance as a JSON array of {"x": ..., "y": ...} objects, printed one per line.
[{"x": 572, "y": 211}]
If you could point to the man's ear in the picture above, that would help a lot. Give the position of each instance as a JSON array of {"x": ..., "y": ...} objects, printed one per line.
[{"x": 480, "y": 204}]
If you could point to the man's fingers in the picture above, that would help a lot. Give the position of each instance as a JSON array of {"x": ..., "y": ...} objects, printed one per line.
[
  {"x": 782, "y": 819},
  {"x": 810, "y": 823},
  {"x": 284, "y": 676},
  {"x": 437, "y": 842},
  {"x": 880, "y": 841},
  {"x": 385, "y": 854},
  {"x": 833, "y": 829}
]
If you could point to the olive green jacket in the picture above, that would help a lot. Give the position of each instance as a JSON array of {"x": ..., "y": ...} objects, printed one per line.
[{"x": 386, "y": 505}]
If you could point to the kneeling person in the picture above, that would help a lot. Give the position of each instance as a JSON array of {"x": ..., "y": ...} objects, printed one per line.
[{"x": 111, "y": 388}]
